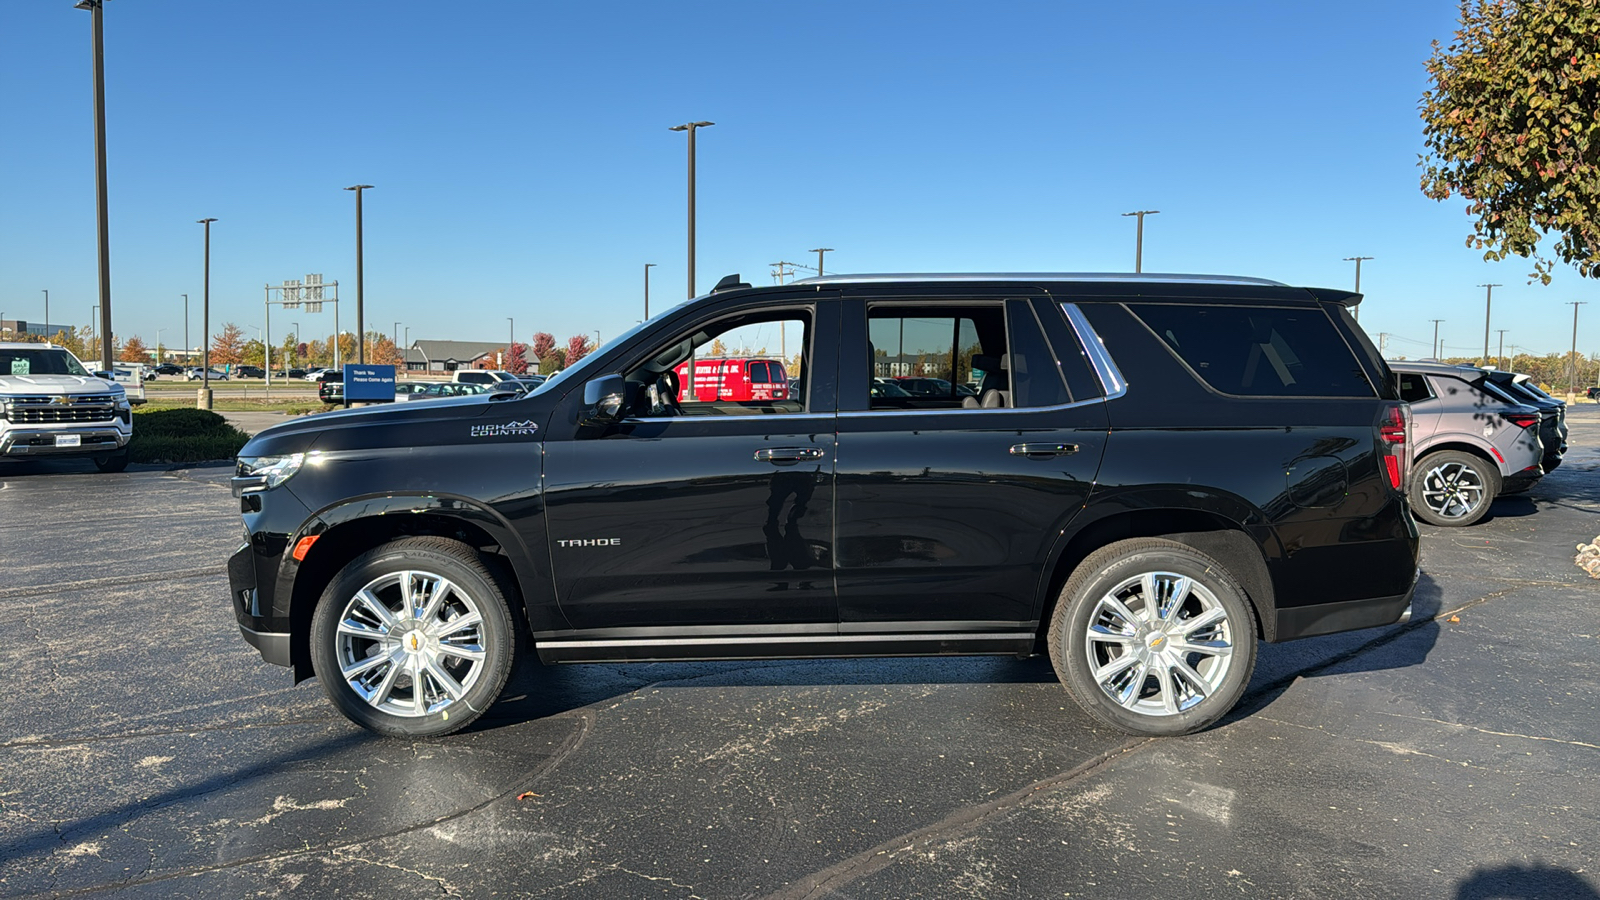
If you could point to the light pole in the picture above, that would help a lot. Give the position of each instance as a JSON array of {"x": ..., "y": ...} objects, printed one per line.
[
  {"x": 1572, "y": 379},
  {"x": 1138, "y": 244},
  {"x": 395, "y": 337},
  {"x": 691, "y": 127},
  {"x": 203, "y": 400},
  {"x": 1500, "y": 358},
  {"x": 1436, "y": 339},
  {"x": 408, "y": 338},
  {"x": 186, "y": 345},
  {"x": 819, "y": 251},
  {"x": 96, "y": 12},
  {"x": 510, "y": 338},
  {"x": 1487, "y": 302},
  {"x": 158, "y": 345},
  {"x": 294, "y": 354},
  {"x": 1357, "y": 260},
  {"x": 94, "y": 313},
  {"x": 47, "y": 335},
  {"x": 361, "y": 328},
  {"x": 647, "y": 268}
]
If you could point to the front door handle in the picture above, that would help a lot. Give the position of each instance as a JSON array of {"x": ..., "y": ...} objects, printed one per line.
[
  {"x": 788, "y": 454},
  {"x": 1043, "y": 451}
]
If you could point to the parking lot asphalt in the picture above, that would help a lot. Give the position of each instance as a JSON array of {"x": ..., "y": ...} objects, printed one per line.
[{"x": 145, "y": 750}]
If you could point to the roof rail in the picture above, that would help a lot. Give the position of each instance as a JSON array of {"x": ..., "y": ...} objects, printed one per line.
[{"x": 1128, "y": 277}]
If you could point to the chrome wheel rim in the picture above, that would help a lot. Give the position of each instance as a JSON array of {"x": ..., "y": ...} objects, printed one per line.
[
  {"x": 1452, "y": 490},
  {"x": 410, "y": 643},
  {"x": 1159, "y": 643}
]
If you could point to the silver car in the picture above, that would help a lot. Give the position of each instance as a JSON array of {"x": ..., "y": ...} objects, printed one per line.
[{"x": 1469, "y": 443}]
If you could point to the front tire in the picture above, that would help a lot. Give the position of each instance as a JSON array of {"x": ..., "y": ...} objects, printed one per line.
[
  {"x": 413, "y": 638},
  {"x": 1452, "y": 489},
  {"x": 112, "y": 462},
  {"x": 1153, "y": 637}
]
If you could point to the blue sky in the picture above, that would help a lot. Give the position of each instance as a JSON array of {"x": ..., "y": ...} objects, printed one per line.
[{"x": 523, "y": 167}]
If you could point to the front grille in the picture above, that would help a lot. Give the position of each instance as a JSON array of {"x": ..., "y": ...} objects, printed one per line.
[{"x": 43, "y": 411}]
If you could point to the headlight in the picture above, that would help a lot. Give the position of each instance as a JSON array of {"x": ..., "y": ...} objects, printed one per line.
[{"x": 268, "y": 471}]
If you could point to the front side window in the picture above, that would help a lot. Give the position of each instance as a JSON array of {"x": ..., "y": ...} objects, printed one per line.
[{"x": 740, "y": 365}]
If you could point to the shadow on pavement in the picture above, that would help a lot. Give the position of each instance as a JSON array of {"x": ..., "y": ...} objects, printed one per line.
[{"x": 1531, "y": 882}]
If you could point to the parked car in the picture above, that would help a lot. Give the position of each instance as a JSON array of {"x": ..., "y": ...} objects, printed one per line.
[
  {"x": 131, "y": 377},
  {"x": 480, "y": 376},
  {"x": 434, "y": 390},
  {"x": 52, "y": 406},
  {"x": 197, "y": 374},
  {"x": 1593, "y": 393},
  {"x": 326, "y": 375},
  {"x": 1518, "y": 388},
  {"x": 1471, "y": 442},
  {"x": 167, "y": 369},
  {"x": 885, "y": 388},
  {"x": 331, "y": 390},
  {"x": 1172, "y": 467},
  {"x": 312, "y": 373},
  {"x": 249, "y": 372}
]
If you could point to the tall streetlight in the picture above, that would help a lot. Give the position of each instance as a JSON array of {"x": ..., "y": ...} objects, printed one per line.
[
  {"x": 510, "y": 338},
  {"x": 395, "y": 337},
  {"x": 158, "y": 345},
  {"x": 1500, "y": 358},
  {"x": 294, "y": 354},
  {"x": 1487, "y": 302},
  {"x": 187, "y": 347},
  {"x": 1357, "y": 260},
  {"x": 203, "y": 400},
  {"x": 647, "y": 268},
  {"x": 96, "y": 13},
  {"x": 47, "y": 335},
  {"x": 361, "y": 328},
  {"x": 1436, "y": 339},
  {"x": 691, "y": 127},
  {"x": 819, "y": 251},
  {"x": 1138, "y": 245},
  {"x": 1572, "y": 379}
]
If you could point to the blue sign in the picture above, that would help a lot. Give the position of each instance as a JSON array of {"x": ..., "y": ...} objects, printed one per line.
[{"x": 367, "y": 383}]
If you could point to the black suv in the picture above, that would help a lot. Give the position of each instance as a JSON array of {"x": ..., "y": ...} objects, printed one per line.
[{"x": 1154, "y": 473}]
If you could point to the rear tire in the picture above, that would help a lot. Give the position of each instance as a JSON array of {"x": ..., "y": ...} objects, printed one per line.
[
  {"x": 413, "y": 638},
  {"x": 1452, "y": 488},
  {"x": 1153, "y": 637}
]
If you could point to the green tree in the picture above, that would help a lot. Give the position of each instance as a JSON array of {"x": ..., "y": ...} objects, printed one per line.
[{"x": 1510, "y": 124}]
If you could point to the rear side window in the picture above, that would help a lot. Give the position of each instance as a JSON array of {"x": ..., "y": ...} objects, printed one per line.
[
  {"x": 1259, "y": 351},
  {"x": 1413, "y": 387}
]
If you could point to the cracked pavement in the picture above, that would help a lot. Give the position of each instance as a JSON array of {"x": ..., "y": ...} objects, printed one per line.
[{"x": 146, "y": 751}]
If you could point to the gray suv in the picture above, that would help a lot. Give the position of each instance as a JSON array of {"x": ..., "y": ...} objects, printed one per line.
[{"x": 1471, "y": 442}]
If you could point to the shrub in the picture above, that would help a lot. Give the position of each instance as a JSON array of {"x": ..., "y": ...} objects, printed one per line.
[{"x": 182, "y": 436}]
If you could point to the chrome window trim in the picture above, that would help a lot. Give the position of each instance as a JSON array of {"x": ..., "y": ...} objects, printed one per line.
[
  {"x": 1010, "y": 410},
  {"x": 1105, "y": 368},
  {"x": 793, "y": 639},
  {"x": 1087, "y": 277}
]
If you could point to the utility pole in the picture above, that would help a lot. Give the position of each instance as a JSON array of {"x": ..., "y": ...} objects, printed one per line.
[
  {"x": 361, "y": 327},
  {"x": 187, "y": 347},
  {"x": 647, "y": 268},
  {"x": 1572, "y": 381},
  {"x": 1487, "y": 303},
  {"x": 1500, "y": 358},
  {"x": 1436, "y": 339},
  {"x": 1138, "y": 244},
  {"x": 819, "y": 252},
  {"x": 96, "y": 11},
  {"x": 1357, "y": 260},
  {"x": 203, "y": 401},
  {"x": 691, "y": 127},
  {"x": 1383, "y": 342}
]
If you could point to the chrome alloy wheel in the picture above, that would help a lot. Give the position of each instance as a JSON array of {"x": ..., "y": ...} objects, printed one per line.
[
  {"x": 410, "y": 643},
  {"x": 1159, "y": 643},
  {"x": 1452, "y": 490}
]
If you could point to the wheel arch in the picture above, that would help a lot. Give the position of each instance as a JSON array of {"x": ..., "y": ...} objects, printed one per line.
[
  {"x": 347, "y": 530},
  {"x": 1240, "y": 550},
  {"x": 1463, "y": 445}
]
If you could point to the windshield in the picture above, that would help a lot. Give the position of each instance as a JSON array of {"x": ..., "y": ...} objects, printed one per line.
[
  {"x": 586, "y": 366},
  {"x": 43, "y": 361}
]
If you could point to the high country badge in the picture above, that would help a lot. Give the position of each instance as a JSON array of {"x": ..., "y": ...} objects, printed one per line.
[{"x": 505, "y": 429}]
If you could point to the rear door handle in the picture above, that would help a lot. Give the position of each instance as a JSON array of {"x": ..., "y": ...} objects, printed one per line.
[
  {"x": 788, "y": 454},
  {"x": 1043, "y": 451}
]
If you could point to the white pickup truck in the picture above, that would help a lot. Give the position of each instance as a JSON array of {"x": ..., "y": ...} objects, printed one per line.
[{"x": 51, "y": 405}]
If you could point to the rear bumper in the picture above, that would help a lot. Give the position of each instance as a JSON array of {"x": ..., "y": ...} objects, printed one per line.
[{"x": 1350, "y": 615}]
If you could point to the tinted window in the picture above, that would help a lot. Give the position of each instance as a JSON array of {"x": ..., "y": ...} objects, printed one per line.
[
  {"x": 931, "y": 353},
  {"x": 1413, "y": 387},
  {"x": 1259, "y": 350},
  {"x": 1035, "y": 375}
]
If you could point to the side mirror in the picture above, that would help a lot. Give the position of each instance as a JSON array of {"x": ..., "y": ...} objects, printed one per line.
[
  {"x": 106, "y": 375},
  {"x": 603, "y": 399}
]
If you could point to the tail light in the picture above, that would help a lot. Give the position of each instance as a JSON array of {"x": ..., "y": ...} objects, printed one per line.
[
  {"x": 1521, "y": 419},
  {"x": 1394, "y": 439}
]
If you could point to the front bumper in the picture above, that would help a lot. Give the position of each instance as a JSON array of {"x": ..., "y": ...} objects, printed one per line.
[{"x": 28, "y": 441}]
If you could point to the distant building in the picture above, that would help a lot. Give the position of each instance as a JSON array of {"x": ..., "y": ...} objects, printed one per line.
[
  {"x": 448, "y": 356},
  {"x": 39, "y": 329}
]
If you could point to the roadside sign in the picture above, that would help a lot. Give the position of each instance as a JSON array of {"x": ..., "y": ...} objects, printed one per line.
[{"x": 368, "y": 383}]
